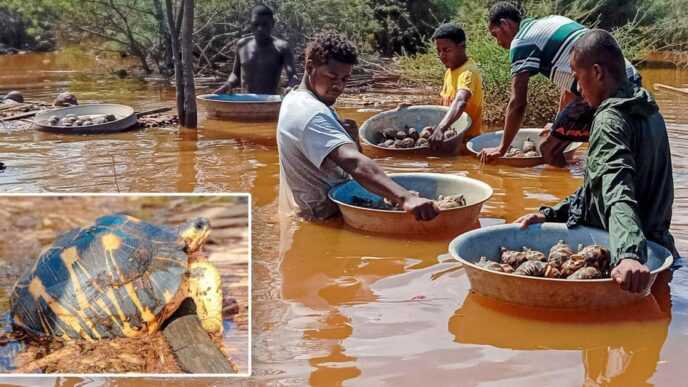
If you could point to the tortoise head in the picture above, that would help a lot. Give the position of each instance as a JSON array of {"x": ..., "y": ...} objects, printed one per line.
[{"x": 194, "y": 234}]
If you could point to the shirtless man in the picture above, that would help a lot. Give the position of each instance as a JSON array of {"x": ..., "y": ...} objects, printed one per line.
[{"x": 260, "y": 58}]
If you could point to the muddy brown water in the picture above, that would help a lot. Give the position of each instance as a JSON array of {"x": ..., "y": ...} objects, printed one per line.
[{"x": 336, "y": 306}]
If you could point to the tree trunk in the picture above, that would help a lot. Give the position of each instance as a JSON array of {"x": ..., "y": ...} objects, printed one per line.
[
  {"x": 163, "y": 31},
  {"x": 190, "y": 111},
  {"x": 174, "y": 43}
]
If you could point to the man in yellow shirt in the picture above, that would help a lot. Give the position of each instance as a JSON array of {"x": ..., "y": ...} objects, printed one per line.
[{"x": 463, "y": 86}]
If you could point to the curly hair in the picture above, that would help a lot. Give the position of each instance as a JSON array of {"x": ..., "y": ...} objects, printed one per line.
[{"x": 331, "y": 45}]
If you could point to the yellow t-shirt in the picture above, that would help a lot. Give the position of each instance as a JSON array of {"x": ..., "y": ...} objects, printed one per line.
[{"x": 466, "y": 77}]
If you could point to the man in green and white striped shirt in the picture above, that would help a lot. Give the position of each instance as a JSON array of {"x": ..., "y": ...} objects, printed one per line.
[{"x": 543, "y": 46}]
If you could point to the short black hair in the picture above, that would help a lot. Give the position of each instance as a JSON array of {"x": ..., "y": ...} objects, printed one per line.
[
  {"x": 504, "y": 10},
  {"x": 331, "y": 45},
  {"x": 450, "y": 31},
  {"x": 262, "y": 10},
  {"x": 599, "y": 47}
]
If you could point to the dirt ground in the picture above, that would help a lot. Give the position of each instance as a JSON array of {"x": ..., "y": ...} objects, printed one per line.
[{"x": 29, "y": 224}]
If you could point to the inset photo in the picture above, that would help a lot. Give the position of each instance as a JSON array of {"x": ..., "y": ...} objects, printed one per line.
[{"x": 125, "y": 285}]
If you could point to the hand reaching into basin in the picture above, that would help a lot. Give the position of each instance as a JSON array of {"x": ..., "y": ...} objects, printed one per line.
[
  {"x": 225, "y": 89},
  {"x": 423, "y": 209},
  {"x": 490, "y": 154},
  {"x": 631, "y": 275},
  {"x": 530, "y": 219},
  {"x": 436, "y": 139}
]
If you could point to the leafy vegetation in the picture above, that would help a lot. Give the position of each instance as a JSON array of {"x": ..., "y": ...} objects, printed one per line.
[
  {"x": 636, "y": 26},
  {"x": 383, "y": 27}
]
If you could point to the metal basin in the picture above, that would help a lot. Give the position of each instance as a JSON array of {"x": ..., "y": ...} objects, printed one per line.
[
  {"x": 491, "y": 140},
  {"x": 126, "y": 119},
  {"x": 546, "y": 292},
  {"x": 429, "y": 185},
  {"x": 241, "y": 107},
  {"x": 414, "y": 117}
]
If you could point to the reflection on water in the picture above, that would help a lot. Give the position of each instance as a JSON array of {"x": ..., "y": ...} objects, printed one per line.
[{"x": 333, "y": 305}]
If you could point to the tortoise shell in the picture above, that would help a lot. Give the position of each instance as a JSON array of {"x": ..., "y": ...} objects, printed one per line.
[{"x": 113, "y": 279}]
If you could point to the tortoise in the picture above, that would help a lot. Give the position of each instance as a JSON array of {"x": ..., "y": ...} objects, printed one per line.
[
  {"x": 558, "y": 254},
  {"x": 584, "y": 273},
  {"x": 120, "y": 277},
  {"x": 494, "y": 266},
  {"x": 532, "y": 269},
  {"x": 15, "y": 96},
  {"x": 426, "y": 133},
  {"x": 596, "y": 256},
  {"x": 65, "y": 99},
  {"x": 516, "y": 258}
]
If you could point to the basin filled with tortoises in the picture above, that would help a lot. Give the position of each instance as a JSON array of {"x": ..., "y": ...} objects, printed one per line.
[
  {"x": 241, "y": 107},
  {"x": 459, "y": 198},
  {"x": 87, "y": 119},
  {"x": 548, "y": 265},
  {"x": 523, "y": 151},
  {"x": 406, "y": 131}
]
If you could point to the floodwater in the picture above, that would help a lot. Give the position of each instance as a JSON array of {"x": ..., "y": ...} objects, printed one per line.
[{"x": 336, "y": 306}]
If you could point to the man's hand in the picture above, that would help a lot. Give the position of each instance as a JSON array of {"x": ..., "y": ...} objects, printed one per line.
[
  {"x": 530, "y": 219},
  {"x": 490, "y": 154},
  {"x": 436, "y": 139},
  {"x": 631, "y": 275},
  {"x": 423, "y": 209},
  {"x": 224, "y": 89}
]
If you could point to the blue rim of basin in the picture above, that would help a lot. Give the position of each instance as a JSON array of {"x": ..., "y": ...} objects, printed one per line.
[
  {"x": 242, "y": 98},
  {"x": 336, "y": 192}
]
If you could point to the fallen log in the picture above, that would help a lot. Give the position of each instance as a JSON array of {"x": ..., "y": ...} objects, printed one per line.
[
  {"x": 192, "y": 347},
  {"x": 153, "y": 111},
  {"x": 659, "y": 86},
  {"x": 20, "y": 116}
]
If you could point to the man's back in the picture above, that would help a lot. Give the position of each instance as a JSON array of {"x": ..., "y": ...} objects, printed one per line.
[
  {"x": 630, "y": 160},
  {"x": 544, "y": 46}
]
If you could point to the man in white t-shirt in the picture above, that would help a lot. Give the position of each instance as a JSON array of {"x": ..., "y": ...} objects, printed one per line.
[{"x": 318, "y": 150}]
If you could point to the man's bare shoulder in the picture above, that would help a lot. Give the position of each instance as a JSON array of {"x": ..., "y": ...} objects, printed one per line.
[
  {"x": 281, "y": 44},
  {"x": 243, "y": 41}
]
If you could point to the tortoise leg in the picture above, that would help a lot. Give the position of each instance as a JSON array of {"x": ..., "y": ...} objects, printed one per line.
[{"x": 205, "y": 288}]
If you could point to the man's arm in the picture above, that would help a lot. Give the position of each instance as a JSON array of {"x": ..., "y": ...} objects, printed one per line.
[
  {"x": 559, "y": 213},
  {"x": 234, "y": 79},
  {"x": 552, "y": 149},
  {"x": 455, "y": 111},
  {"x": 289, "y": 67},
  {"x": 374, "y": 179},
  {"x": 611, "y": 153},
  {"x": 514, "y": 116},
  {"x": 566, "y": 98}
]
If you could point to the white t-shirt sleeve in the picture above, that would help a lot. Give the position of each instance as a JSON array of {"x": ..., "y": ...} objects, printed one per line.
[{"x": 322, "y": 135}]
